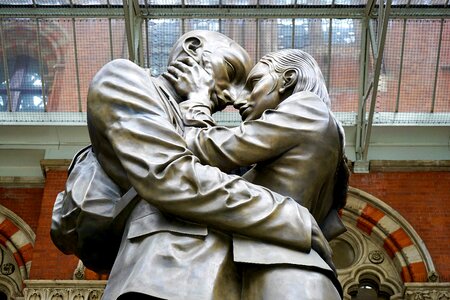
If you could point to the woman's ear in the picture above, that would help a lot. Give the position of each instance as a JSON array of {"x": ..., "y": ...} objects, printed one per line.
[
  {"x": 289, "y": 80},
  {"x": 193, "y": 46}
]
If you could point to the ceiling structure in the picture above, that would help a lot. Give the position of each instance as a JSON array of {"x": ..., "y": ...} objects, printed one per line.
[{"x": 395, "y": 106}]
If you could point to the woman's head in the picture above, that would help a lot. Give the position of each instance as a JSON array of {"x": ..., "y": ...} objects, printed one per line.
[
  {"x": 309, "y": 76},
  {"x": 277, "y": 76}
]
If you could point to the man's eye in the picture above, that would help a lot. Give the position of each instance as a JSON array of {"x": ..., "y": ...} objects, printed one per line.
[
  {"x": 230, "y": 70},
  {"x": 255, "y": 81}
]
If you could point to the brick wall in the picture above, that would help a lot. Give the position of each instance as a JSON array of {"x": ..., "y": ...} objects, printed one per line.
[
  {"x": 48, "y": 261},
  {"x": 423, "y": 199},
  {"x": 24, "y": 202}
]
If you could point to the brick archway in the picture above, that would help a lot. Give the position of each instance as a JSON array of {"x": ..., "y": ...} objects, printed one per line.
[
  {"x": 18, "y": 238},
  {"x": 386, "y": 249},
  {"x": 382, "y": 224}
]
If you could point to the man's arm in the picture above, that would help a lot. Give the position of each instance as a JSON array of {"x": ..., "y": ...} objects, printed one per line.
[{"x": 124, "y": 106}]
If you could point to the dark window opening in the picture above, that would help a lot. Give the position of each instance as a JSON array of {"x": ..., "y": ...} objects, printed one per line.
[{"x": 369, "y": 289}]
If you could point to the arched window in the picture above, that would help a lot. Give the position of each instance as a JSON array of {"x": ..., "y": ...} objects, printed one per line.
[
  {"x": 370, "y": 289},
  {"x": 21, "y": 88}
]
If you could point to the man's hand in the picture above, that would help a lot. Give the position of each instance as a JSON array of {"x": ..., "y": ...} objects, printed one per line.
[
  {"x": 191, "y": 81},
  {"x": 320, "y": 244}
]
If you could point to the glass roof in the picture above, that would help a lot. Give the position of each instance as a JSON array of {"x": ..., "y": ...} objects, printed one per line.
[{"x": 221, "y": 2}]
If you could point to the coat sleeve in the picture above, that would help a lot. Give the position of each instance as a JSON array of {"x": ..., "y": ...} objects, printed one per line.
[
  {"x": 259, "y": 140},
  {"x": 125, "y": 109}
]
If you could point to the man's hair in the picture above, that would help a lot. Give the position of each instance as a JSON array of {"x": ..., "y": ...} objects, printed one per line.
[
  {"x": 310, "y": 77},
  {"x": 220, "y": 40}
]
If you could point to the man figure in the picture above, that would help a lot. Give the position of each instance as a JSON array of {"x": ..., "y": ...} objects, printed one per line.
[
  {"x": 295, "y": 146},
  {"x": 136, "y": 133}
]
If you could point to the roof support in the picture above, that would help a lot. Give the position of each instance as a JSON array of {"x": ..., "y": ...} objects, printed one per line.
[
  {"x": 5, "y": 66},
  {"x": 133, "y": 24},
  {"x": 365, "y": 120}
]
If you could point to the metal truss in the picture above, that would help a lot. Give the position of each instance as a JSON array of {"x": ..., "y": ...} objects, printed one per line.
[
  {"x": 374, "y": 16},
  {"x": 371, "y": 39},
  {"x": 222, "y": 12}
]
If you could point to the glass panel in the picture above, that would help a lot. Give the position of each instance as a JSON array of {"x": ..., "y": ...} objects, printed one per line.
[
  {"x": 93, "y": 50},
  {"x": 16, "y": 2},
  {"x": 202, "y": 2},
  {"x": 24, "y": 74},
  {"x": 239, "y": 2},
  {"x": 242, "y": 31},
  {"x": 399, "y": 2},
  {"x": 119, "y": 39},
  {"x": 419, "y": 65},
  {"x": 164, "y": 2},
  {"x": 344, "y": 64},
  {"x": 52, "y": 2},
  {"x": 115, "y": 2},
  {"x": 162, "y": 35},
  {"x": 58, "y": 51},
  {"x": 277, "y": 2},
  {"x": 428, "y": 2},
  {"x": 314, "y": 2},
  {"x": 201, "y": 24},
  {"x": 390, "y": 68},
  {"x": 350, "y": 2},
  {"x": 89, "y": 2}
]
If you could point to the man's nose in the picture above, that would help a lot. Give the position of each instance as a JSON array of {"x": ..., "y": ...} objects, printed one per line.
[
  {"x": 228, "y": 96},
  {"x": 241, "y": 100}
]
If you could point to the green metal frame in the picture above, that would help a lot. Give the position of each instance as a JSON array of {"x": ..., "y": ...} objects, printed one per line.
[{"x": 372, "y": 38}]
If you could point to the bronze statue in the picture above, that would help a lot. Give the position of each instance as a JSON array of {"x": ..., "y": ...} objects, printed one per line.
[
  {"x": 177, "y": 240},
  {"x": 295, "y": 147},
  {"x": 136, "y": 132}
]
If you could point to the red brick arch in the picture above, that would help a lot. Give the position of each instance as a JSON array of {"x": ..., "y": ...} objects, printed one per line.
[
  {"x": 18, "y": 238},
  {"x": 393, "y": 233}
]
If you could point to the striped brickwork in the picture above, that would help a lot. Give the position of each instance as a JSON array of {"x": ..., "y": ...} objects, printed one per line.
[
  {"x": 388, "y": 229},
  {"x": 18, "y": 243}
]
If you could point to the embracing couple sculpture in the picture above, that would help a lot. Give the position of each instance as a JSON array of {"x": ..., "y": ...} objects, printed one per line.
[{"x": 195, "y": 231}]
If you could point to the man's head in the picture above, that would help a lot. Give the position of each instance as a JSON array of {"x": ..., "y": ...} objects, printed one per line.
[
  {"x": 226, "y": 61},
  {"x": 277, "y": 76}
]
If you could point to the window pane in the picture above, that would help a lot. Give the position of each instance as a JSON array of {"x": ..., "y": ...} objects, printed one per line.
[{"x": 162, "y": 35}]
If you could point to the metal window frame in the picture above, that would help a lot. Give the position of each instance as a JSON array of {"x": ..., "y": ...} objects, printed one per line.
[{"x": 371, "y": 44}]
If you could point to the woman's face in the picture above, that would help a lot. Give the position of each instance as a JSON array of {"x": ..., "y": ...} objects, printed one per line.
[{"x": 261, "y": 92}]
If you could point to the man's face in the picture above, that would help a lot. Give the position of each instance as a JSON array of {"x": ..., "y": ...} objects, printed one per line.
[
  {"x": 228, "y": 68},
  {"x": 261, "y": 92}
]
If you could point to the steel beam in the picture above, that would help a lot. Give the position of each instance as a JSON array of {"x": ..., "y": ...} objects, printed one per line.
[
  {"x": 133, "y": 25},
  {"x": 5, "y": 66},
  {"x": 41, "y": 66},
  {"x": 224, "y": 12},
  {"x": 382, "y": 32},
  {"x": 77, "y": 68},
  {"x": 436, "y": 71},
  {"x": 363, "y": 75}
]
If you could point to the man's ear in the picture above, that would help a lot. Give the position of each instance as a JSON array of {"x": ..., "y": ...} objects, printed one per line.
[
  {"x": 192, "y": 46},
  {"x": 289, "y": 80}
]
